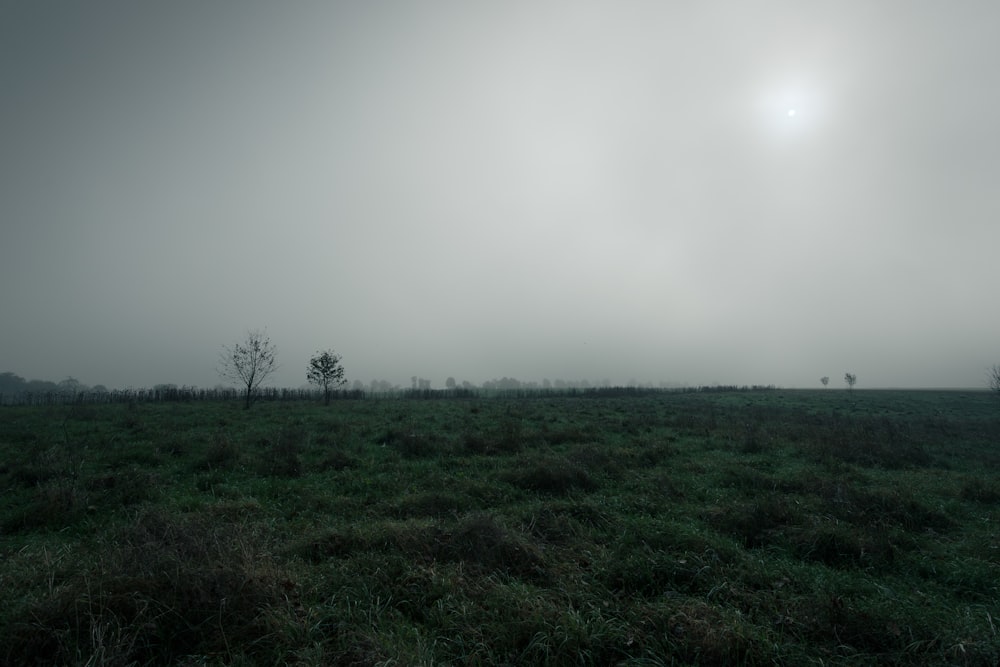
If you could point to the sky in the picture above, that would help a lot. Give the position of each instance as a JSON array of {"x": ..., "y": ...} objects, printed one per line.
[{"x": 630, "y": 191}]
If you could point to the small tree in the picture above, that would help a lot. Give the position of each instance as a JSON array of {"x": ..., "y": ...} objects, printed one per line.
[
  {"x": 994, "y": 379},
  {"x": 326, "y": 372},
  {"x": 850, "y": 379},
  {"x": 249, "y": 363},
  {"x": 825, "y": 380}
]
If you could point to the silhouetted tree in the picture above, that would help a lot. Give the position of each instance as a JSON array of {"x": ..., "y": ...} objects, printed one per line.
[
  {"x": 71, "y": 386},
  {"x": 249, "y": 363},
  {"x": 994, "y": 379},
  {"x": 41, "y": 386},
  {"x": 450, "y": 383},
  {"x": 326, "y": 371},
  {"x": 382, "y": 386},
  {"x": 851, "y": 379},
  {"x": 825, "y": 380},
  {"x": 11, "y": 382}
]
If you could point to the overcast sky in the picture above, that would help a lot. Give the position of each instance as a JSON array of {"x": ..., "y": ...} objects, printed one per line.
[{"x": 689, "y": 192}]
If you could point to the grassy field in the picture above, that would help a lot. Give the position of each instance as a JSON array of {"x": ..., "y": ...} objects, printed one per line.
[{"x": 753, "y": 528}]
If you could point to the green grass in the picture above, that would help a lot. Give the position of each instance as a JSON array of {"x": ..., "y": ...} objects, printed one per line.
[{"x": 748, "y": 528}]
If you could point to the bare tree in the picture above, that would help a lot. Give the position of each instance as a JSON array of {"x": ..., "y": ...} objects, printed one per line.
[
  {"x": 250, "y": 362},
  {"x": 825, "y": 380},
  {"x": 994, "y": 379},
  {"x": 325, "y": 371},
  {"x": 851, "y": 379}
]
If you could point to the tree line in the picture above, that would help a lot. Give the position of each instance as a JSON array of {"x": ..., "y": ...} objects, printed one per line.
[
  {"x": 165, "y": 393},
  {"x": 171, "y": 394}
]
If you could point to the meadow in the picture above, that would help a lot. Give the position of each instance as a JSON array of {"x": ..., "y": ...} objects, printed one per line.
[{"x": 662, "y": 528}]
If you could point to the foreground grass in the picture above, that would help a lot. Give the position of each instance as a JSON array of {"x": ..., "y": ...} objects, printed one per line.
[{"x": 743, "y": 528}]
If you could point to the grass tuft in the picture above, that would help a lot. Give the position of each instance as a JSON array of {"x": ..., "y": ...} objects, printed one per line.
[{"x": 551, "y": 475}]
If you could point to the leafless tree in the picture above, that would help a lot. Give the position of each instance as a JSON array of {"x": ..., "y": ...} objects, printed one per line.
[
  {"x": 250, "y": 362},
  {"x": 825, "y": 380},
  {"x": 326, "y": 372},
  {"x": 851, "y": 379},
  {"x": 994, "y": 379}
]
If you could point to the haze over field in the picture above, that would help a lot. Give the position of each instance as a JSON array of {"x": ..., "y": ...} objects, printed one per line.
[{"x": 696, "y": 193}]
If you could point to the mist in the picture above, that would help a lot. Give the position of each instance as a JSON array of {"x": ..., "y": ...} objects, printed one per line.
[{"x": 632, "y": 192}]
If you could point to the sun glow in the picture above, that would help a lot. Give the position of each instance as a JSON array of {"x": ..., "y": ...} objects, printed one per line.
[{"x": 793, "y": 109}]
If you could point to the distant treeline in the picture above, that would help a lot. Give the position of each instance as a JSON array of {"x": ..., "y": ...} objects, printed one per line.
[
  {"x": 71, "y": 392},
  {"x": 165, "y": 394}
]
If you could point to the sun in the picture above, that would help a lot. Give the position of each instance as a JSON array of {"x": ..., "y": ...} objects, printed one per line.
[{"x": 793, "y": 107}]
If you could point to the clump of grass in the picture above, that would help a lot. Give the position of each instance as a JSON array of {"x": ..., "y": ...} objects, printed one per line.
[
  {"x": 429, "y": 504},
  {"x": 44, "y": 463},
  {"x": 282, "y": 455},
  {"x": 652, "y": 452},
  {"x": 653, "y": 573},
  {"x": 507, "y": 438},
  {"x": 337, "y": 459},
  {"x": 981, "y": 491},
  {"x": 566, "y": 435},
  {"x": 30, "y": 474},
  {"x": 480, "y": 543},
  {"x": 551, "y": 475},
  {"x": 223, "y": 453},
  {"x": 882, "y": 507},
  {"x": 327, "y": 544},
  {"x": 844, "y": 546},
  {"x": 57, "y": 503},
  {"x": 562, "y": 522},
  {"x": 162, "y": 588},
  {"x": 121, "y": 488},
  {"x": 410, "y": 444},
  {"x": 753, "y": 438},
  {"x": 703, "y": 633},
  {"x": 870, "y": 442},
  {"x": 756, "y": 523},
  {"x": 598, "y": 459},
  {"x": 486, "y": 545}
]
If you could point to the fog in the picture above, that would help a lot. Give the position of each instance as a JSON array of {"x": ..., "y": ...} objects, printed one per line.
[{"x": 691, "y": 193}]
